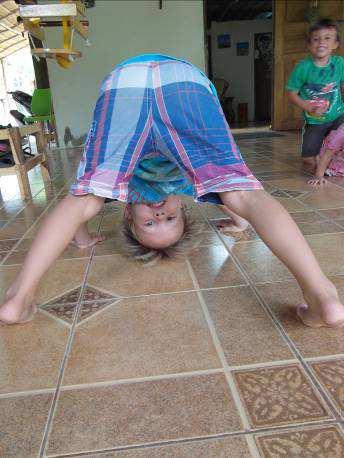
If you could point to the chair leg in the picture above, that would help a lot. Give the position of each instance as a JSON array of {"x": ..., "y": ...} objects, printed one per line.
[
  {"x": 45, "y": 170},
  {"x": 23, "y": 181}
]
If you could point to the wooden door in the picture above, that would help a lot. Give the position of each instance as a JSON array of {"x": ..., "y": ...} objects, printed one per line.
[{"x": 290, "y": 46}]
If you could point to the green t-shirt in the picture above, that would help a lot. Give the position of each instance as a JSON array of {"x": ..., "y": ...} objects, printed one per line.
[{"x": 315, "y": 83}]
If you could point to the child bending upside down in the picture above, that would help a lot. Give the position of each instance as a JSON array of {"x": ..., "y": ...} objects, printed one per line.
[
  {"x": 331, "y": 157},
  {"x": 158, "y": 133}
]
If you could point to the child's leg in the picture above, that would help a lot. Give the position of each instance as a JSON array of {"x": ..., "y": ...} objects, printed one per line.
[
  {"x": 309, "y": 164},
  {"x": 55, "y": 234},
  {"x": 312, "y": 137},
  {"x": 280, "y": 233},
  {"x": 234, "y": 224},
  {"x": 83, "y": 239}
]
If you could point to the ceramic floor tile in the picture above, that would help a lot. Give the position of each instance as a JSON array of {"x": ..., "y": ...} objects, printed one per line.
[
  {"x": 71, "y": 252},
  {"x": 142, "y": 337},
  {"x": 159, "y": 411},
  {"x": 323, "y": 198},
  {"x": 291, "y": 205},
  {"x": 295, "y": 183},
  {"x": 246, "y": 333},
  {"x": 268, "y": 166},
  {"x": 325, "y": 442},
  {"x": 11, "y": 208},
  {"x": 328, "y": 249},
  {"x": 308, "y": 217},
  {"x": 332, "y": 213},
  {"x": 279, "y": 396},
  {"x": 229, "y": 447},
  {"x": 213, "y": 267},
  {"x": 272, "y": 176},
  {"x": 319, "y": 227},
  {"x": 125, "y": 277},
  {"x": 209, "y": 238},
  {"x": 212, "y": 211},
  {"x": 22, "y": 427},
  {"x": 331, "y": 376},
  {"x": 64, "y": 306},
  {"x": 31, "y": 211},
  {"x": 15, "y": 230},
  {"x": 260, "y": 263},
  {"x": 7, "y": 244},
  {"x": 282, "y": 299},
  {"x": 32, "y": 354},
  {"x": 61, "y": 277}
]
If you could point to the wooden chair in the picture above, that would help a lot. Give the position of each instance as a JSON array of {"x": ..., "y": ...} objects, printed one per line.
[{"x": 22, "y": 165}]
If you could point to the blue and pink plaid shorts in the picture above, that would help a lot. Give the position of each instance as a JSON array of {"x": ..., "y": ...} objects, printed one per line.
[{"x": 167, "y": 106}]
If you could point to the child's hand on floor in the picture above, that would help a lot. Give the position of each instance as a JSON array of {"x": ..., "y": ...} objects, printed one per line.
[{"x": 317, "y": 181}]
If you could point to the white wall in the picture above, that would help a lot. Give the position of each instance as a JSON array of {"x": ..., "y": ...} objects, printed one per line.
[
  {"x": 237, "y": 70},
  {"x": 118, "y": 30}
]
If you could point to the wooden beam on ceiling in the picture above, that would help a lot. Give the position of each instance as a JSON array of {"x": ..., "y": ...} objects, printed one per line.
[{"x": 48, "y": 11}]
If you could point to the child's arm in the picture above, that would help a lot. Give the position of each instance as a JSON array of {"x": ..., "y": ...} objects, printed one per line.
[
  {"x": 322, "y": 165},
  {"x": 305, "y": 105}
]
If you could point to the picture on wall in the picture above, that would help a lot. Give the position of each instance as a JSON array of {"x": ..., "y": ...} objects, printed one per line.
[
  {"x": 242, "y": 48},
  {"x": 224, "y": 41}
]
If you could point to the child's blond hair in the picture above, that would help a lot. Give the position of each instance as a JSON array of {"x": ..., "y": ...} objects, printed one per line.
[{"x": 135, "y": 249}]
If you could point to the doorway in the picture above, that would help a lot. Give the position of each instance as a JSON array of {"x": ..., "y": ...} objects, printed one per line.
[{"x": 239, "y": 41}]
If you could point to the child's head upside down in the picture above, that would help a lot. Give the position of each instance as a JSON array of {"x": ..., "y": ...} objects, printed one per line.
[{"x": 157, "y": 230}]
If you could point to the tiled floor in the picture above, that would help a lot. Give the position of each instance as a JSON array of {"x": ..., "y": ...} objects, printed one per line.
[{"x": 201, "y": 357}]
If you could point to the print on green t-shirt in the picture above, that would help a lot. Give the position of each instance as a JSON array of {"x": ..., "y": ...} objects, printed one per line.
[{"x": 319, "y": 83}]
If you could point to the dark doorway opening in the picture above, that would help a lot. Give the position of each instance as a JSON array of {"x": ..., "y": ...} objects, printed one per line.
[{"x": 239, "y": 52}]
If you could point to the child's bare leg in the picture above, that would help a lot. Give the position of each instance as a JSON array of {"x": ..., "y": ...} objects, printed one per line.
[
  {"x": 55, "y": 234},
  {"x": 83, "y": 239},
  {"x": 280, "y": 233},
  {"x": 310, "y": 164},
  {"x": 234, "y": 224}
]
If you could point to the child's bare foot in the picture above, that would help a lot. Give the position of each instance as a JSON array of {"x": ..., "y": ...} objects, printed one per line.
[
  {"x": 17, "y": 311},
  {"x": 322, "y": 311},
  {"x": 226, "y": 226},
  {"x": 87, "y": 242}
]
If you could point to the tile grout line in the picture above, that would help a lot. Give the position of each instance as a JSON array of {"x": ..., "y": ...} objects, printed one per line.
[
  {"x": 338, "y": 356},
  {"x": 229, "y": 378},
  {"x": 53, "y": 407},
  {"x": 189, "y": 440}
]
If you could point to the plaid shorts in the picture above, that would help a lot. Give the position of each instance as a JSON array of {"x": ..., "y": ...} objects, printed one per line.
[{"x": 165, "y": 106}]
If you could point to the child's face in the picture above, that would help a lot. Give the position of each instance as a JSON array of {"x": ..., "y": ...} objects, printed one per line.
[
  {"x": 157, "y": 225},
  {"x": 323, "y": 42}
]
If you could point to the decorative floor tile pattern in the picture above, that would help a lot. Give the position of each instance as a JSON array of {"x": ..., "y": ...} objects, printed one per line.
[
  {"x": 7, "y": 245},
  {"x": 331, "y": 376},
  {"x": 279, "y": 396},
  {"x": 65, "y": 305},
  {"x": 325, "y": 442}
]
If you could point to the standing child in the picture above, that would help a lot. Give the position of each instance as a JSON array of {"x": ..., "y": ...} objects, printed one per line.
[
  {"x": 331, "y": 157},
  {"x": 158, "y": 133},
  {"x": 315, "y": 86}
]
